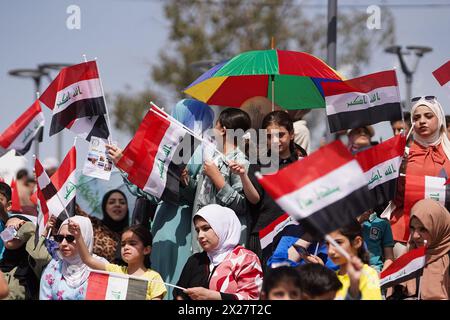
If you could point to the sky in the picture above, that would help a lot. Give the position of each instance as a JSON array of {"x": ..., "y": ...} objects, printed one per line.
[{"x": 126, "y": 36}]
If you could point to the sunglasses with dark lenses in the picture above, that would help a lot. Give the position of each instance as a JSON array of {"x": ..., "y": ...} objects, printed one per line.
[
  {"x": 59, "y": 238},
  {"x": 426, "y": 98}
]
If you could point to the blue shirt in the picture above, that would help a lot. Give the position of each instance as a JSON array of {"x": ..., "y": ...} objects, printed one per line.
[
  {"x": 377, "y": 234},
  {"x": 2, "y": 246}
]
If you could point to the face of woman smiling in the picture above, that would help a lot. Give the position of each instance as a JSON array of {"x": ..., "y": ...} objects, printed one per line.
[
  {"x": 425, "y": 122},
  {"x": 116, "y": 206},
  {"x": 207, "y": 238}
]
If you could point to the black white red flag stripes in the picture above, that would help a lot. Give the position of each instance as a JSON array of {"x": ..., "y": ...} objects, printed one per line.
[
  {"x": 442, "y": 75},
  {"x": 381, "y": 166},
  {"x": 324, "y": 191},
  {"x": 406, "y": 267},
  {"x": 362, "y": 101},
  {"x": 21, "y": 133},
  {"x": 57, "y": 194},
  {"x": 76, "y": 98},
  {"x": 148, "y": 158}
]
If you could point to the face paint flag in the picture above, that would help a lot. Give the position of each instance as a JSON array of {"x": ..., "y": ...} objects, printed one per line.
[
  {"x": 324, "y": 191},
  {"x": 152, "y": 158},
  {"x": 113, "y": 286},
  {"x": 362, "y": 101},
  {"x": 76, "y": 98},
  {"x": 22, "y": 132},
  {"x": 381, "y": 166},
  {"x": 406, "y": 267},
  {"x": 442, "y": 75},
  {"x": 57, "y": 194},
  {"x": 418, "y": 188}
]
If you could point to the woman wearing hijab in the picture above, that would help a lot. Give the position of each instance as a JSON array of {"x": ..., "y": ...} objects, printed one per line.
[
  {"x": 66, "y": 278},
  {"x": 171, "y": 227},
  {"x": 23, "y": 260},
  {"x": 428, "y": 155},
  {"x": 224, "y": 270},
  {"x": 430, "y": 227}
]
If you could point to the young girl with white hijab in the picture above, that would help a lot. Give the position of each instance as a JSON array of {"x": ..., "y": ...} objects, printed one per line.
[
  {"x": 66, "y": 278},
  {"x": 224, "y": 270}
]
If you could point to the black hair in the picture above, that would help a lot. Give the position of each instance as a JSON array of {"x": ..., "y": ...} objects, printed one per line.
[
  {"x": 233, "y": 118},
  {"x": 279, "y": 118},
  {"x": 283, "y": 274},
  {"x": 447, "y": 121},
  {"x": 317, "y": 280},
  {"x": 406, "y": 118},
  {"x": 21, "y": 174},
  {"x": 351, "y": 231},
  {"x": 145, "y": 236},
  {"x": 5, "y": 190},
  {"x": 116, "y": 226}
]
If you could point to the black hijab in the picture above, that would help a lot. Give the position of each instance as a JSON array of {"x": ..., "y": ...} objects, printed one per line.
[{"x": 116, "y": 226}]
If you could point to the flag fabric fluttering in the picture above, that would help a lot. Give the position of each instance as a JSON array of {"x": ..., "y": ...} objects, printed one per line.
[
  {"x": 381, "y": 166},
  {"x": 153, "y": 157},
  {"x": 76, "y": 98},
  {"x": 362, "y": 101},
  {"x": 114, "y": 286},
  {"x": 408, "y": 266},
  {"x": 15, "y": 199},
  {"x": 324, "y": 191},
  {"x": 22, "y": 132},
  {"x": 442, "y": 75},
  {"x": 57, "y": 194}
]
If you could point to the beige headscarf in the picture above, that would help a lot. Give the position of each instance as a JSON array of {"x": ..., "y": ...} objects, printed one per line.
[
  {"x": 440, "y": 136},
  {"x": 435, "y": 281}
]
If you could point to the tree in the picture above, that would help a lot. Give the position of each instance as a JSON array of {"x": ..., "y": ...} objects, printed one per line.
[{"x": 218, "y": 30}]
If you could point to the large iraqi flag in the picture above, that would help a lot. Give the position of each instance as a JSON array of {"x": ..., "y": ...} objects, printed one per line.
[
  {"x": 362, "y": 101},
  {"x": 22, "y": 132},
  {"x": 381, "y": 166},
  {"x": 152, "y": 158},
  {"x": 76, "y": 98},
  {"x": 324, "y": 191},
  {"x": 442, "y": 75}
]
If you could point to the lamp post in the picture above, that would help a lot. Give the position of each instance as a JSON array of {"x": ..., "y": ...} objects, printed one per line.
[
  {"x": 48, "y": 67},
  {"x": 418, "y": 52},
  {"x": 36, "y": 75}
]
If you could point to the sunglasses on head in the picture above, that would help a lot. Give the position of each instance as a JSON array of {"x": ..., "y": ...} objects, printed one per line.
[
  {"x": 426, "y": 98},
  {"x": 59, "y": 238}
]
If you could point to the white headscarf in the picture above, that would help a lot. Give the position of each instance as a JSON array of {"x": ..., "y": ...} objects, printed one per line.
[
  {"x": 75, "y": 272},
  {"x": 227, "y": 227},
  {"x": 440, "y": 136}
]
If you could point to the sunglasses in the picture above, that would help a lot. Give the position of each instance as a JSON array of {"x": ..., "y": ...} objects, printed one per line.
[
  {"x": 426, "y": 98},
  {"x": 59, "y": 238}
]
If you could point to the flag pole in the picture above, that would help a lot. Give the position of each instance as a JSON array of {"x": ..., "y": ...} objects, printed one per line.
[
  {"x": 36, "y": 137},
  {"x": 62, "y": 204},
  {"x": 341, "y": 250},
  {"x": 106, "y": 107}
]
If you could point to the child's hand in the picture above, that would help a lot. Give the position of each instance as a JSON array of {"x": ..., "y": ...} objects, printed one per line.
[
  {"x": 114, "y": 152},
  {"x": 184, "y": 178},
  {"x": 50, "y": 224},
  {"x": 74, "y": 229},
  {"x": 200, "y": 293},
  {"x": 211, "y": 170},
  {"x": 236, "y": 168},
  {"x": 312, "y": 259}
]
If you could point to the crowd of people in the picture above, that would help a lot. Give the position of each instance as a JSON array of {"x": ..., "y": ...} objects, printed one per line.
[{"x": 209, "y": 243}]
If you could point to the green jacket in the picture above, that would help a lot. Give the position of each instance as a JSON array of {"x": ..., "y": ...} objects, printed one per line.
[{"x": 38, "y": 258}]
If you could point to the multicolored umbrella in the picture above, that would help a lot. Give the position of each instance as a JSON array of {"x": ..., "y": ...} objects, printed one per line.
[{"x": 289, "y": 79}]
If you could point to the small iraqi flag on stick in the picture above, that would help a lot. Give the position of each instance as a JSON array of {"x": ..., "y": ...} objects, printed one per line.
[
  {"x": 113, "y": 286},
  {"x": 76, "y": 98},
  {"x": 442, "y": 75},
  {"x": 362, "y": 101},
  {"x": 324, "y": 192},
  {"x": 406, "y": 267},
  {"x": 149, "y": 157},
  {"x": 22, "y": 132},
  {"x": 381, "y": 166}
]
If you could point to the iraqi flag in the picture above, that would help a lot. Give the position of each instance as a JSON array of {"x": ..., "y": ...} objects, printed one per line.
[
  {"x": 76, "y": 98},
  {"x": 16, "y": 207},
  {"x": 324, "y": 191},
  {"x": 115, "y": 286},
  {"x": 22, "y": 132},
  {"x": 442, "y": 75},
  {"x": 381, "y": 166},
  {"x": 57, "y": 194},
  {"x": 362, "y": 101},
  {"x": 406, "y": 267},
  {"x": 152, "y": 159}
]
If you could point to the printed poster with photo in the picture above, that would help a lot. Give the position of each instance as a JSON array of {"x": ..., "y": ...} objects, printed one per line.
[{"x": 97, "y": 163}]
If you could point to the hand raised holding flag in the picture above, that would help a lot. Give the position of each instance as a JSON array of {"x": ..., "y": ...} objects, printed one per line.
[{"x": 114, "y": 152}]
